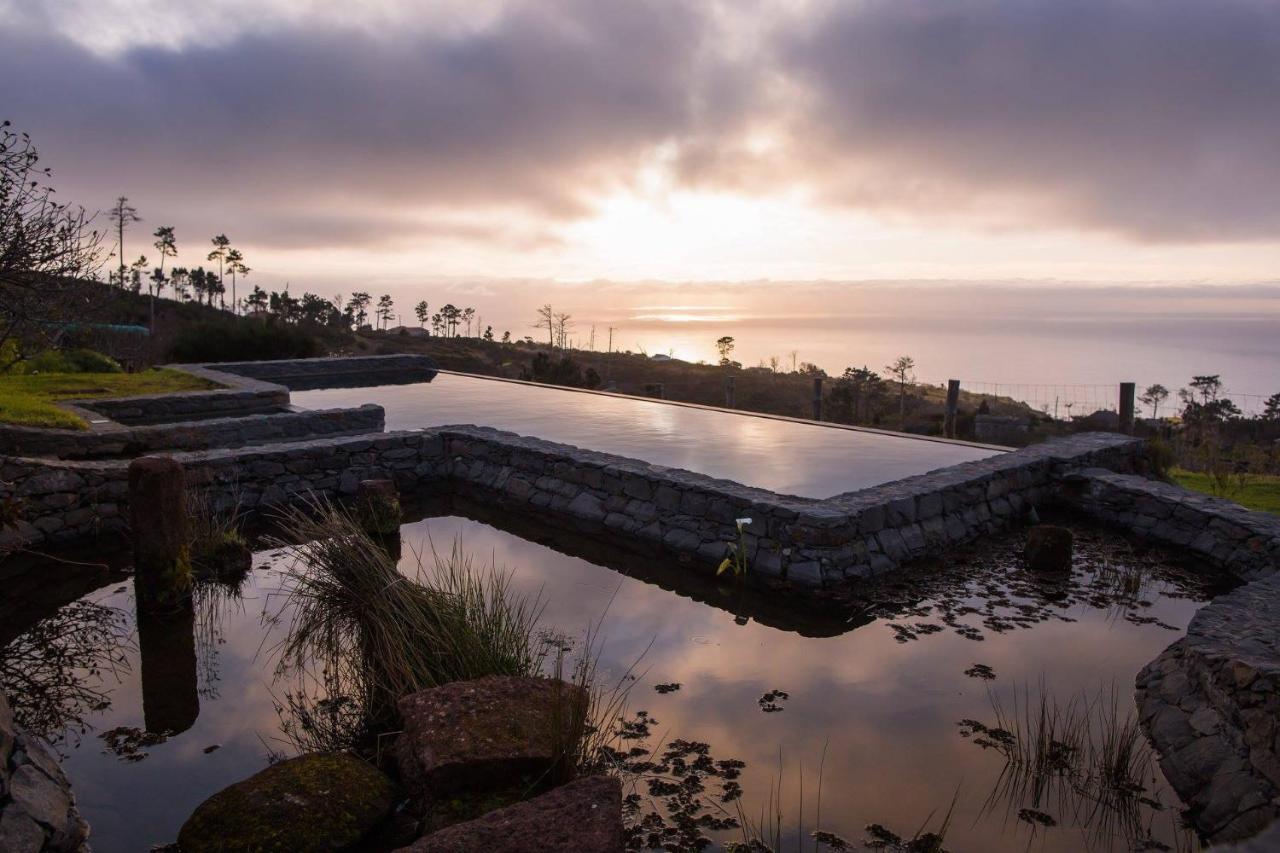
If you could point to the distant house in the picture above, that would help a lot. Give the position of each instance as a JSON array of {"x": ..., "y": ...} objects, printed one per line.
[
  {"x": 662, "y": 356},
  {"x": 409, "y": 331}
]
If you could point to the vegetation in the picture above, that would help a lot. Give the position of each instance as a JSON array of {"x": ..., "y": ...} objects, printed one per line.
[
  {"x": 227, "y": 340},
  {"x": 1259, "y": 492},
  {"x": 378, "y": 634},
  {"x": 45, "y": 247},
  {"x": 28, "y": 399}
]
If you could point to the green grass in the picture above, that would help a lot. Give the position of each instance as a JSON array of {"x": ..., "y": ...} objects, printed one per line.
[
  {"x": 29, "y": 399},
  {"x": 1259, "y": 491}
]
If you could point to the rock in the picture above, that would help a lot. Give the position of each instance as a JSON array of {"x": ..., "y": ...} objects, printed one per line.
[
  {"x": 486, "y": 734},
  {"x": 1048, "y": 549},
  {"x": 584, "y": 816},
  {"x": 19, "y": 833},
  {"x": 318, "y": 802}
]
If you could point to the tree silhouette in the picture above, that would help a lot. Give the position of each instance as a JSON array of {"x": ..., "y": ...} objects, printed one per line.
[
  {"x": 123, "y": 215},
  {"x": 900, "y": 370},
  {"x": 358, "y": 306},
  {"x": 1153, "y": 397},
  {"x": 724, "y": 346},
  {"x": 423, "y": 312},
  {"x": 220, "y": 246},
  {"x": 385, "y": 310},
  {"x": 235, "y": 266},
  {"x": 547, "y": 320},
  {"x": 257, "y": 300},
  {"x": 468, "y": 314}
]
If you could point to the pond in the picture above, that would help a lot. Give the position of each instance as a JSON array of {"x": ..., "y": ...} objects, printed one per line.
[
  {"x": 784, "y": 456},
  {"x": 881, "y": 702}
]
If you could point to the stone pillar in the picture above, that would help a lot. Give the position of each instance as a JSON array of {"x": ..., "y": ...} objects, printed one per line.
[
  {"x": 161, "y": 557},
  {"x": 728, "y": 392},
  {"x": 1127, "y": 391},
  {"x": 378, "y": 507},
  {"x": 817, "y": 398},
  {"x": 953, "y": 403}
]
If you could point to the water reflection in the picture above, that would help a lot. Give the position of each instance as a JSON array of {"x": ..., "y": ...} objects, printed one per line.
[
  {"x": 793, "y": 458},
  {"x": 862, "y": 695},
  {"x": 170, "y": 687}
]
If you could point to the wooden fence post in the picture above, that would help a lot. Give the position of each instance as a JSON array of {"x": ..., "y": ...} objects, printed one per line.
[
  {"x": 953, "y": 402},
  {"x": 1127, "y": 390}
]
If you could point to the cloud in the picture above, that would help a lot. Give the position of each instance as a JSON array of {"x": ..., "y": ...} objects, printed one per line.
[
  {"x": 549, "y": 105},
  {"x": 1152, "y": 120},
  {"x": 1157, "y": 120}
]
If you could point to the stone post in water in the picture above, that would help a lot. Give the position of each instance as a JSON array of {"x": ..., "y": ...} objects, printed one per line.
[
  {"x": 158, "y": 511},
  {"x": 1127, "y": 391},
  {"x": 953, "y": 403}
]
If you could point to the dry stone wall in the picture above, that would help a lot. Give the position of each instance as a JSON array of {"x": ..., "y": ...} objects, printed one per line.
[
  {"x": 37, "y": 809},
  {"x": 120, "y": 440}
]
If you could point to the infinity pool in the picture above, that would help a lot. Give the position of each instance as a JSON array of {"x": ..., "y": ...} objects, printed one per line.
[{"x": 784, "y": 456}]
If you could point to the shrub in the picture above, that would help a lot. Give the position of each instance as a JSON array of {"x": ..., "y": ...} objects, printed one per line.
[
  {"x": 71, "y": 361},
  {"x": 243, "y": 341}
]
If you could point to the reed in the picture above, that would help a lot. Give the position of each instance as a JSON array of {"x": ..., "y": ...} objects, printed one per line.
[{"x": 382, "y": 634}]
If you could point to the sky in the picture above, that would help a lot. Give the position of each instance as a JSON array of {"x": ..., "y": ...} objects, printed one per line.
[{"x": 394, "y": 142}]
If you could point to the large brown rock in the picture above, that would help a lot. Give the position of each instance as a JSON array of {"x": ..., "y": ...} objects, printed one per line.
[
  {"x": 314, "y": 803},
  {"x": 584, "y": 816},
  {"x": 1048, "y": 549},
  {"x": 486, "y": 734}
]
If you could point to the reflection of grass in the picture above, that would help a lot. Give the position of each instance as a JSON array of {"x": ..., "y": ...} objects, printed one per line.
[
  {"x": 1259, "y": 492},
  {"x": 28, "y": 399},
  {"x": 1083, "y": 758},
  {"x": 356, "y": 616}
]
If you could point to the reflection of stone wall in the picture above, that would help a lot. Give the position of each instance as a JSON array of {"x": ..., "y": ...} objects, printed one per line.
[
  {"x": 37, "y": 809},
  {"x": 1211, "y": 704},
  {"x": 118, "y": 440}
]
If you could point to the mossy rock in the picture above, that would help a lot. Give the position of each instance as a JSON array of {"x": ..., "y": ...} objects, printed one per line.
[{"x": 321, "y": 802}]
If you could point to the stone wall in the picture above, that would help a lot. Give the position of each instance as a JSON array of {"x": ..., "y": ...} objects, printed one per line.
[
  {"x": 1211, "y": 704},
  {"x": 193, "y": 405},
  {"x": 804, "y": 540},
  {"x": 37, "y": 808},
  {"x": 1230, "y": 537},
  {"x": 337, "y": 372},
  {"x": 104, "y": 441}
]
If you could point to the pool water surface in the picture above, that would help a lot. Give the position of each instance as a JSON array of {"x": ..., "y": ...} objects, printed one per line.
[{"x": 789, "y": 457}]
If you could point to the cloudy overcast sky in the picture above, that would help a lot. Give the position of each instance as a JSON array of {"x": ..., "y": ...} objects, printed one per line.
[{"x": 1083, "y": 139}]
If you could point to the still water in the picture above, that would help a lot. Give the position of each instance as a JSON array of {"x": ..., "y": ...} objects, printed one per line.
[
  {"x": 791, "y": 458},
  {"x": 873, "y": 691}
]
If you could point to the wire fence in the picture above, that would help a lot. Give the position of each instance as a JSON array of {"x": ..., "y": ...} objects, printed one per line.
[{"x": 1063, "y": 402}]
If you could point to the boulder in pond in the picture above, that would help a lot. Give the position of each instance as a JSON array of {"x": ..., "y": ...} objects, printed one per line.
[
  {"x": 584, "y": 816},
  {"x": 1048, "y": 549},
  {"x": 485, "y": 734},
  {"x": 318, "y": 802}
]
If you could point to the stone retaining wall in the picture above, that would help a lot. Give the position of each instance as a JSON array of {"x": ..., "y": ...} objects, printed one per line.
[
  {"x": 118, "y": 440},
  {"x": 1230, "y": 537},
  {"x": 1211, "y": 704},
  {"x": 804, "y": 540},
  {"x": 192, "y": 405},
  {"x": 37, "y": 809},
  {"x": 300, "y": 374}
]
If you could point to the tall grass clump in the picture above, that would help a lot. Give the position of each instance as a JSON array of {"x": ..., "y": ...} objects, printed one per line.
[{"x": 380, "y": 634}]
